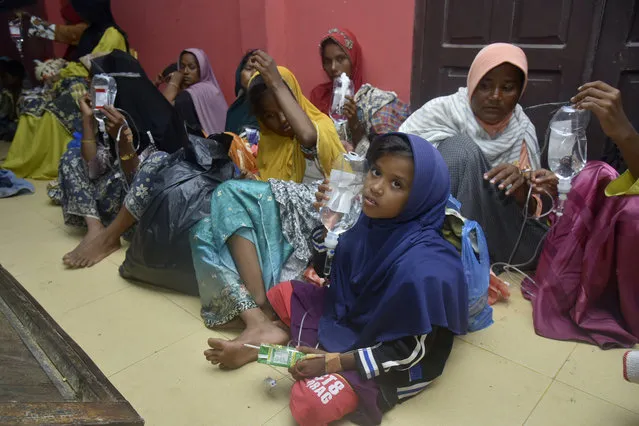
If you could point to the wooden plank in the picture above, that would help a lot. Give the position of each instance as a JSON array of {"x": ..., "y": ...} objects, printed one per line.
[
  {"x": 67, "y": 413},
  {"x": 21, "y": 378},
  {"x": 89, "y": 396},
  {"x": 79, "y": 372}
]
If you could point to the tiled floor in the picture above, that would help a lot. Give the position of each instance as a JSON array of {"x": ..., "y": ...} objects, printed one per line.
[{"x": 150, "y": 342}]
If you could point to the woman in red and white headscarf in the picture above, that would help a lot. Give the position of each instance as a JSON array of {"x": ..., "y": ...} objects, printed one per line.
[{"x": 371, "y": 111}]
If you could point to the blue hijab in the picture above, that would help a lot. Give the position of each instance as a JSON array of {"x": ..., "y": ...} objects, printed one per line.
[{"x": 394, "y": 278}]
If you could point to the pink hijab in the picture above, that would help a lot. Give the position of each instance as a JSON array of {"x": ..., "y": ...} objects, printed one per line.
[
  {"x": 488, "y": 58},
  {"x": 207, "y": 96}
]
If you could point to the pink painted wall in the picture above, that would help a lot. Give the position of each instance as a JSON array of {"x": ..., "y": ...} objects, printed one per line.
[{"x": 289, "y": 30}]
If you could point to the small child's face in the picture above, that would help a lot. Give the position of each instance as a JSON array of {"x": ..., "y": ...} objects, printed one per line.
[{"x": 387, "y": 186}]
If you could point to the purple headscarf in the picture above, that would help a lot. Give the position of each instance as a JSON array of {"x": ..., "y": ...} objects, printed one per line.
[{"x": 207, "y": 96}]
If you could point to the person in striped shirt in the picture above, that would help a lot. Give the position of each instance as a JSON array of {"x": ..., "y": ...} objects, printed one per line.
[{"x": 383, "y": 329}]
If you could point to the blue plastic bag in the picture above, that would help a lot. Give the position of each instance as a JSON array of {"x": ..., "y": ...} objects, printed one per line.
[
  {"x": 477, "y": 273},
  {"x": 76, "y": 142}
]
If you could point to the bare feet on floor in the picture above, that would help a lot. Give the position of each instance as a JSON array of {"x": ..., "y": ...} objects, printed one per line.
[
  {"x": 230, "y": 354},
  {"x": 92, "y": 232},
  {"x": 92, "y": 249}
]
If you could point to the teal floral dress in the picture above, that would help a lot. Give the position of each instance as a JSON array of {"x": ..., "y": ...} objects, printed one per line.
[{"x": 276, "y": 216}]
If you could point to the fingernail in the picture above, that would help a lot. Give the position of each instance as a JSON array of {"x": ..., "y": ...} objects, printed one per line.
[
  {"x": 485, "y": 176},
  {"x": 572, "y": 99},
  {"x": 580, "y": 87},
  {"x": 492, "y": 181},
  {"x": 501, "y": 186}
]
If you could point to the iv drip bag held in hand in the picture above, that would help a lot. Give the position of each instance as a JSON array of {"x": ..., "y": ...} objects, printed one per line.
[
  {"x": 342, "y": 87},
  {"x": 15, "y": 31},
  {"x": 344, "y": 206},
  {"x": 567, "y": 148},
  {"x": 103, "y": 92}
]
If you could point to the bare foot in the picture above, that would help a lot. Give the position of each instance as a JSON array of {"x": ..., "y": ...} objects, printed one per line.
[
  {"x": 230, "y": 354},
  {"x": 235, "y": 324},
  {"x": 93, "y": 251},
  {"x": 92, "y": 232}
]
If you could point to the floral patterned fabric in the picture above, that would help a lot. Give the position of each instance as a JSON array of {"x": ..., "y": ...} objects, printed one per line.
[
  {"x": 247, "y": 209},
  {"x": 101, "y": 197},
  {"x": 297, "y": 214},
  {"x": 61, "y": 100},
  {"x": 380, "y": 111}
]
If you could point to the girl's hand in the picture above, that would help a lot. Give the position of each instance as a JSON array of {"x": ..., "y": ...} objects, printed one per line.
[
  {"x": 321, "y": 195},
  {"x": 266, "y": 66},
  {"x": 309, "y": 367},
  {"x": 114, "y": 121},
  {"x": 544, "y": 181},
  {"x": 508, "y": 176},
  {"x": 85, "y": 106},
  {"x": 176, "y": 78},
  {"x": 605, "y": 102}
]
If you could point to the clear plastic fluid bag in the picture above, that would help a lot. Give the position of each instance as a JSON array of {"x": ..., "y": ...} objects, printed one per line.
[
  {"x": 344, "y": 207},
  {"x": 567, "y": 147},
  {"x": 15, "y": 31},
  {"x": 103, "y": 91},
  {"x": 342, "y": 87}
]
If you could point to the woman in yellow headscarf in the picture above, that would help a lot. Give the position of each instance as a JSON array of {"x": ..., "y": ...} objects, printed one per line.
[
  {"x": 258, "y": 233},
  {"x": 297, "y": 141}
]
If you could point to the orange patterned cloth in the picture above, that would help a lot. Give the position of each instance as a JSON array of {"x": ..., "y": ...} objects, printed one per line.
[{"x": 242, "y": 155}]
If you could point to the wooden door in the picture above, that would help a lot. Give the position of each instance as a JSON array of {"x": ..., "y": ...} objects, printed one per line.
[
  {"x": 557, "y": 36},
  {"x": 617, "y": 63}
]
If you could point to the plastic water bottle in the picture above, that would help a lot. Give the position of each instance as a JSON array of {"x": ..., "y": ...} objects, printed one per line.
[
  {"x": 103, "y": 91},
  {"x": 567, "y": 148},
  {"x": 342, "y": 87},
  {"x": 345, "y": 204}
]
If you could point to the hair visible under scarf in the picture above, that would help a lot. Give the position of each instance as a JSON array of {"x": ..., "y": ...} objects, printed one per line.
[
  {"x": 388, "y": 144},
  {"x": 322, "y": 94},
  {"x": 398, "y": 277},
  {"x": 207, "y": 96}
]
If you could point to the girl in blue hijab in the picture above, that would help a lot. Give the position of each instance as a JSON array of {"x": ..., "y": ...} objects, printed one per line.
[{"x": 383, "y": 329}]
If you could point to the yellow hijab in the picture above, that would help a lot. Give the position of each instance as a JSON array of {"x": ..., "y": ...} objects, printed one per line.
[{"x": 280, "y": 157}]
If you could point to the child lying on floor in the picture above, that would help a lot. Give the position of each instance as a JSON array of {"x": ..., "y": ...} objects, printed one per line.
[{"x": 384, "y": 328}]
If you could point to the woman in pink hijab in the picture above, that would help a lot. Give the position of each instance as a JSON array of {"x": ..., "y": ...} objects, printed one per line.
[
  {"x": 196, "y": 94},
  {"x": 490, "y": 146}
]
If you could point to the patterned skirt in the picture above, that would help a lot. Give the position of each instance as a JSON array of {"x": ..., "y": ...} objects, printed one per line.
[{"x": 103, "y": 197}]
